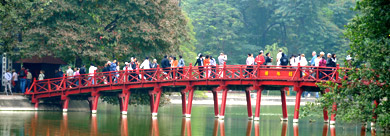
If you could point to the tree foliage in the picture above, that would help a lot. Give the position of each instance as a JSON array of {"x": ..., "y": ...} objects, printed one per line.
[
  {"x": 239, "y": 27},
  {"x": 93, "y": 31},
  {"x": 368, "y": 33}
]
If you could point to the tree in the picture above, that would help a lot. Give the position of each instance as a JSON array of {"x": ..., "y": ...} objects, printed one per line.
[
  {"x": 368, "y": 33},
  {"x": 274, "y": 50},
  {"x": 86, "y": 30}
]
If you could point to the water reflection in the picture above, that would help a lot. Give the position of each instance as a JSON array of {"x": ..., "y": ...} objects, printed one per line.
[
  {"x": 296, "y": 129},
  {"x": 186, "y": 125},
  {"x": 325, "y": 129},
  {"x": 154, "y": 127},
  {"x": 124, "y": 126},
  {"x": 64, "y": 124},
  {"x": 332, "y": 130},
  {"x": 249, "y": 128},
  {"x": 221, "y": 125},
  {"x": 94, "y": 125},
  {"x": 284, "y": 128}
]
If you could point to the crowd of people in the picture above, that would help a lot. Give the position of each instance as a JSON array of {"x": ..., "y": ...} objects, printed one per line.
[
  {"x": 21, "y": 80},
  {"x": 17, "y": 82}
]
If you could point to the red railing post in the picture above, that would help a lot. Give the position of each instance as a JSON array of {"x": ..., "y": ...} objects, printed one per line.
[
  {"x": 48, "y": 85},
  {"x": 224, "y": 70},
  {"x": 337, "y": 72},
  {"x": 217, "y": 75},
  {"x": 64, "y": 81},
  {"x": 190, "y": 71},
  {"x": 299, "y": 71},
  {"x": 258, "y": 70},
  {"x": 94, "y": 78},
  {"x": 35, "y": 85}
]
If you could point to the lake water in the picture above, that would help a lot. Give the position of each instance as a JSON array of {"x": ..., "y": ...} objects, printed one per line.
[{"x": 138, "y": 122}]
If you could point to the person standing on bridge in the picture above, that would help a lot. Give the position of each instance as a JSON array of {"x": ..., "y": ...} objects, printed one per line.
[
  {"x": 206, "y": 64},
  {"x": 69, "y": 74},
  {"x": 146, "y": 66},
  {"x": 312, "y": 61},
  {"x": 133, "y": 68},
  {"x": 28, "y": 79},
  {"x": 92, "y": 69},
  {"x": 268, "y": 59},
  {"x": 278, "y": 56},
  {"x": 221, "y": 61},
  {"x": 15, "y": 82},
  {"x": 165, "y": 65},
  {"x": 260, "y": 60},
  {"x": 199, "y": 62},
  {"x": 249, "y": 62},
  {"x": 180, "y": 65},
  {"x": 284, "y": 60},
  {"x": 213, "y": 65}
]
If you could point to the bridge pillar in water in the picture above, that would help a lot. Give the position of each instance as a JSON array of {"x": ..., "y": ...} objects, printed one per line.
[
  {"x": 155, "y": 96},
  {"x": 299, "y": 91},
  {"x": 215, "y": 98},
  {"x": 333, "y": 116},
  {"x": 284, "y": 106},
  {"x": 65, "y": 103},
  {"x": 186, "y": 108},
  {"x": 93, "y": 102},
  {"x": 124, "y": 98},
  {"x": 249, "y": 104},
  {"x": 223, "y": 103},
  {"x": 258, "y": 102},
  {"x": 325, "y": 110},
  {"x": 35, "y": 101}
]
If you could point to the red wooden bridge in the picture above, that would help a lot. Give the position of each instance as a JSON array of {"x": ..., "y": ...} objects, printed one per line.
[{"x": 186, "y": 80}]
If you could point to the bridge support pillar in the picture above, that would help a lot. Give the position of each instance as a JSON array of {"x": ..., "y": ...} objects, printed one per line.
[
  {"x": 284, "y": 106},
  {"x": 93, "y": 102},
  {"x": 325, "y": 110},
  {"x": 155, "y": 100},
  {"x": 215, "y": 97},
  {"x": 333, "y": 116},
  {"x": 258, "y": 103},
  {"x": 36, "y": 104},
  {"x": 249, "y": 104},
  {"x": 124, "y": 102},
  {"x": 65, "y": 104},
  {"x": 297, "y": 103},
  {"x": 187, "y": 108},
  {"x": 223, "y": 103},
  {"x": 374, "y": 116}
]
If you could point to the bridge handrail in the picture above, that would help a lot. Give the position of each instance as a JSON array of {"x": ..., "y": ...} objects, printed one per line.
[{"x": 310, "y": 73}]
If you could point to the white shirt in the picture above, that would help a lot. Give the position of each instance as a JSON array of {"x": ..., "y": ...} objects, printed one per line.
[
  {"x": 293, "y": 62},
  {"x": 278, "y": 56},
  {"x": 15, "y": 76},
  {"x": 145, "y": 64},
  {"x": 8, "y": 76},
  {"x": 92, "y": 70},
  {"x": 317, "y": 61},
  {"x": 212, "y": 62},
  {"x": 303, "y": 61},
  {"x": 69, "y": 73},
  {"x": 222, "y": 59},
  {"x": 250, "y": 61}
]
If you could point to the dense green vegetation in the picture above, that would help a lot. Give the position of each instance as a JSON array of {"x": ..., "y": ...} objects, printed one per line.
[
  {"x": 239, "y": 27},
  {"x": 93, "y": 31},
  {"x": 369, "y": 35}
]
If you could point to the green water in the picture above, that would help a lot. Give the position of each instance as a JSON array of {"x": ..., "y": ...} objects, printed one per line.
[{"x": 138, "y": 122}]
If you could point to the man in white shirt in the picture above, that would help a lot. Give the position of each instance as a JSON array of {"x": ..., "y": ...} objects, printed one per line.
[
  {"x": 222, "y": 59},
  {"x": 250, "y": 61},
  {"x": 91, "y": 72},
  {"x": 278, "y": 56},
  {"x": 8, "y": 79},
  {"x": 146, "y": 65},
  {"x": 69, "y": 73}
]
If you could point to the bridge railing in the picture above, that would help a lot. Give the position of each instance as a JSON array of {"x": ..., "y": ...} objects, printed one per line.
[{"x": 224, "y": 72}]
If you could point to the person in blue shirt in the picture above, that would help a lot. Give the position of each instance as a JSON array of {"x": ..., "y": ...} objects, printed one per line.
[
  {"x": 180, "y": 65},
  {"x": 312, "y": 61}
]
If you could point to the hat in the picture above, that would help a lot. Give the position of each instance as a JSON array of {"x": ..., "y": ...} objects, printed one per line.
[
  {"x": 329, "y": 54},
  {"x": 322, "y": 53},
  {"x": 109, "y": 62},
  {"x": 126, "y": 63}
]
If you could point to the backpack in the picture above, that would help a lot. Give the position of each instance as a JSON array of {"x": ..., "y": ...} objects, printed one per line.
[
  {"x": 22, "y": 73},
  {"x": 284, "y": 61}
]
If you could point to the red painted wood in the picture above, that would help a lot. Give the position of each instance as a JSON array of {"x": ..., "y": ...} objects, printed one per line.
[
  {"x": 248, "y": 102},
  {"x": 189, "y": 106},
  {"x": 297, "y": 102},
  {"x": 65, "y": 103},
  {"x": 223, "y": 103},
  {"x": 183, "y": 102},
  {"x": 215, "y": 97},
  {"x": 334, "y": 109},
  {"x": 258, "y": 102},
  {"x": 284, "y": 105}
]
